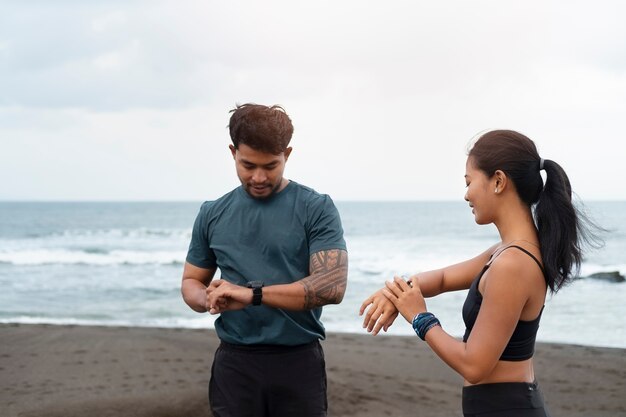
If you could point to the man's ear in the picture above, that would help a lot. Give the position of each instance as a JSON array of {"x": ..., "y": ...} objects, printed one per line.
[
  {"x": 287, "y": 153},
  {"x": 233, "y": 150}
]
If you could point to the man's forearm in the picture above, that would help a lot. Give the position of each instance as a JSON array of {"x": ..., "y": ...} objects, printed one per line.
[
  {"x": 194, "y": 294},
  {"x": 194, "y": 285},
  {"x": 326, "y": 284}
]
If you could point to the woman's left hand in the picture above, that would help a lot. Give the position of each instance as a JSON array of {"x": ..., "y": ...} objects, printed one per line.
[{"x": 408, "y": 299}]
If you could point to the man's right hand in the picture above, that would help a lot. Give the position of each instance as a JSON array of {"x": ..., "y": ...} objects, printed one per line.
[{"x": 222, "y": 296}]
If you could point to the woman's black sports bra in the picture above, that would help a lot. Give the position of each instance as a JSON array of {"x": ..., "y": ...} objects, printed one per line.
[{"x": 521, "y": 346}]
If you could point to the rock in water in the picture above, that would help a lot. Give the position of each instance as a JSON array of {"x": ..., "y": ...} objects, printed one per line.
[{"x": 613, "y": 276}]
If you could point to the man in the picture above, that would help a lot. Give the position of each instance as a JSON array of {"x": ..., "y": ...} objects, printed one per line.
[{"x": 280, "y": 249}]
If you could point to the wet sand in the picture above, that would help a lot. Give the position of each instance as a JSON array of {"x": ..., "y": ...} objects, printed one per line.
[{"x": 70, "y": 371}]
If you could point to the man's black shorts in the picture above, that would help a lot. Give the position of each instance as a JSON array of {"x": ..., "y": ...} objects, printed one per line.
[{"x": 268, "y": 381}]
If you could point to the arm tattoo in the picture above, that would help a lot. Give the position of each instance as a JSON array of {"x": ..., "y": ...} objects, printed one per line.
[{"x": 328, "y": 278}]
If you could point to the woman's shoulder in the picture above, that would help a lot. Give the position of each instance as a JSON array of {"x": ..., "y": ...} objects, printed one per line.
[
  {"x": 515, "y": 267},
  {"x": 520, "y": 255}
]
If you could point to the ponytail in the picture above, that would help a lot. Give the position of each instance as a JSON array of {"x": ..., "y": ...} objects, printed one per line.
[{"x": 562, "y": 229}]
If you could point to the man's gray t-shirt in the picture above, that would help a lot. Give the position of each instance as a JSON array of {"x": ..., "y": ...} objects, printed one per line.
[{"x": 268, "y": 240}]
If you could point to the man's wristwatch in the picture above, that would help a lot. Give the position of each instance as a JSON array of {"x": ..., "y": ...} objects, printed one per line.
[{"x": 257, "y": 292}]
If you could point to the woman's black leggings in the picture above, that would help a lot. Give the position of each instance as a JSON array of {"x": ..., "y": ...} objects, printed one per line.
[{"x": 508, "y": 399}]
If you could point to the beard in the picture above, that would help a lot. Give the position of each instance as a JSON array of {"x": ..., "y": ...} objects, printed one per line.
[{"x": 267, "y": 190}]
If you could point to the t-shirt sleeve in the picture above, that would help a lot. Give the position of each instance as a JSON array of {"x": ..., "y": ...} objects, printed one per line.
[
  {"x": 200, "y": 253},
  {"x": 326, "y": 231}
]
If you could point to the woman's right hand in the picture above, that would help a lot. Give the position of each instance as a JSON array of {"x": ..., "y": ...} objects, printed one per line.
[{"x": 381, "y": 313}]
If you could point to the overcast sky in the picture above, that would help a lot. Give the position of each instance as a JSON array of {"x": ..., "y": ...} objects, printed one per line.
[{"x": 129, "y": 100}]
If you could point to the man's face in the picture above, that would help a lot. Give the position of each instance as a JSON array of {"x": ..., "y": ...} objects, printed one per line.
[{"x": 260, "y": 173}]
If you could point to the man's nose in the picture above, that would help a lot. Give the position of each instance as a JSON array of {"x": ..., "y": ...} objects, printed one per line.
[{"x": 259, "y": 176}]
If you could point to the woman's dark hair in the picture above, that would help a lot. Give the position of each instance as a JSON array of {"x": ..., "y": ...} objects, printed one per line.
[
  {"x": 263, "y": 128},
  {"x": 561, "y": 228}
]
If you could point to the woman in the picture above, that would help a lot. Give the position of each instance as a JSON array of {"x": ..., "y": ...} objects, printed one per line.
[{"x": 507, "y": 283}]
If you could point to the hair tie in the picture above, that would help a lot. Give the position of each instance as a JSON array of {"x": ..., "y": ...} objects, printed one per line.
[{"x": 541, "y": 161}]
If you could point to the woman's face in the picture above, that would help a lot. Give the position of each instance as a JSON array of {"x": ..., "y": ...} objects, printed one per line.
[{"x": 480, "y": 193}]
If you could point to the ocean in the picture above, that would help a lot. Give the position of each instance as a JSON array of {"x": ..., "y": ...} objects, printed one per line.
[{"x": 120, "y": 263}]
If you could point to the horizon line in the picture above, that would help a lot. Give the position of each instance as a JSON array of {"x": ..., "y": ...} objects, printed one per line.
[{"x": 423, "y": 200}]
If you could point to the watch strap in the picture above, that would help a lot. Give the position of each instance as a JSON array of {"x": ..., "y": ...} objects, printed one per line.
[{"x": 257, "y": 292}]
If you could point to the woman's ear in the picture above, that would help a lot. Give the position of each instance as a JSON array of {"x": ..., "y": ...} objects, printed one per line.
[{"x": 500, "y": 180}]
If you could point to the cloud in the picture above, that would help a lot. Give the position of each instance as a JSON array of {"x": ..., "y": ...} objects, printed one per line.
[
  {"x": 99, "y": 56},
  {"x": 384, "y": 95},
  {"x": 159, "y": 54},
  {"x": 108, "y": 56}
]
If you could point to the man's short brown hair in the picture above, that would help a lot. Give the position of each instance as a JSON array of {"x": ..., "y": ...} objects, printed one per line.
[{"x": 263, "y": 128}]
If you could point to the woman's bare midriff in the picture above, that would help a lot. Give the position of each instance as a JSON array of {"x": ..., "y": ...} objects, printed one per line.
[{"x": 510, "y": 371}]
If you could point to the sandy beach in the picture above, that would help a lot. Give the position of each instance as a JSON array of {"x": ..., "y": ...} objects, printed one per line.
[{"x": 115, "y": 371}]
